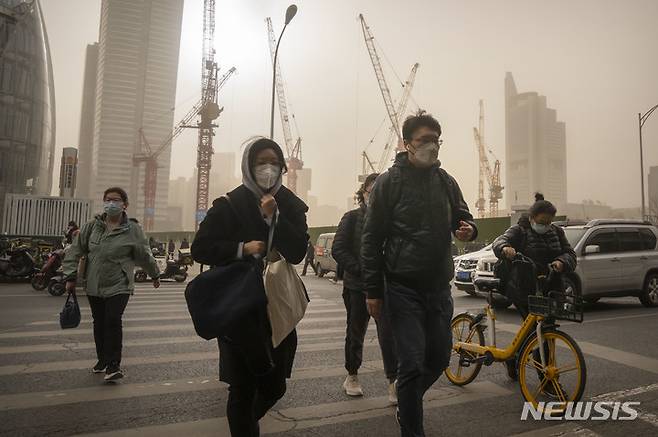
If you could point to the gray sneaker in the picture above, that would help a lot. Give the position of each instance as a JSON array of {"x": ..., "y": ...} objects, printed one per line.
[{"x": 352, "y": 386}]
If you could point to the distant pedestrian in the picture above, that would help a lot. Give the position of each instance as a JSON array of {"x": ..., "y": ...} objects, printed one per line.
[
  {"x": 71, "y": 232},
  {"x": 414, "y": 207},
  {"x": 184, "y": 244},
  {"x": 237, "y": 228},
  {"x": 112, "y": 245},
  {"x": 310, "y": 259},
  {"x": 171, "y": 248},
  {"x": 347, "y": 250}
]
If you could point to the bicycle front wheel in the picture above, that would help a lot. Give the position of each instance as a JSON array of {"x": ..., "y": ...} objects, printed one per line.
[
  {"x": 464, "y": 365},
  {"x": 561, "y": 380}
]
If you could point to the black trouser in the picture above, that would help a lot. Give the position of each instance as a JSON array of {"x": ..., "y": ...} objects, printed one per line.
[
  {"x": 108, "y": 332},
  {"x": 307, "y": 262},
  {"x": 420, "y": 316},
  {"x": 357, "y": 325},
  {"x": 250, "y": 396}
]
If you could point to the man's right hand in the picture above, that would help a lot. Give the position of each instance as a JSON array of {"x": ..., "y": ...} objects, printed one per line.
[
  {"x": 70, "y": 286},
  {"x": 509, "y": 252},
  {"x": 253, "y": 248},
  {"x": 375, "y": 307}
]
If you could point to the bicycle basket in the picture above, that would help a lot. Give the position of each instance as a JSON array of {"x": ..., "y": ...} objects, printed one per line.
[{"x": 558, "y": 307}]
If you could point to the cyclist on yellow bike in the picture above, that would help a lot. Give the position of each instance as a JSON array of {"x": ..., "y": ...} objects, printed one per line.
[{"x": 546, "y": 245}]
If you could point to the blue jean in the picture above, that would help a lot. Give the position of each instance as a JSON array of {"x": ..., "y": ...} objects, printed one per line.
[{"x": 420, "y": 318}]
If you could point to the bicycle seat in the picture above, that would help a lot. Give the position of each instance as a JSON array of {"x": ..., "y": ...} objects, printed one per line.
[{"x": 487, "y": 284}]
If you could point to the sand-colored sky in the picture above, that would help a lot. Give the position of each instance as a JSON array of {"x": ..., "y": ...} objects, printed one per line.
[{"x": 595, "y": 60}]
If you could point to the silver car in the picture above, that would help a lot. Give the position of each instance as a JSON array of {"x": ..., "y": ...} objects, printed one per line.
[{"x": 615, "y": 258}]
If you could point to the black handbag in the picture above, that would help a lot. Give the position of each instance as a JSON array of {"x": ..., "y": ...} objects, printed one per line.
[
  {"x": 69, "y": 317},
  {"x": 224, "y": 295}
]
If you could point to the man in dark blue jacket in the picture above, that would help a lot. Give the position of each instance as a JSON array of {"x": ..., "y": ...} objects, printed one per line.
[{"x": 406, "y": 245}]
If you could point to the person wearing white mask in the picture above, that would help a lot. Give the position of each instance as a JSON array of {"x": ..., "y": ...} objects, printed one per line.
[
  {"x": 414, "y": 208},
  {"x": 536, "y": 237},
  {"x": 236, "y": 228},
  {"x": 112, "y": 245}
]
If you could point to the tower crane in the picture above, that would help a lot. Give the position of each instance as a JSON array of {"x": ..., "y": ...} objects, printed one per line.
[
  {"x": 381, "y": 80},
  {"x": 368, "y": 166},
  {"x": 394, "y": 114},
  {"x": 293, "y": 147},
  {"x": 492, "y": 177},
  {"x": 150, "y": 157},
  {"x": 209, "y": 111}
]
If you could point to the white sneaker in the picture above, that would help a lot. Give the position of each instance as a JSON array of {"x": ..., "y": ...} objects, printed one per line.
[
  {"x": 352, "y": 386},
  {"x": 393, "y": 393}
]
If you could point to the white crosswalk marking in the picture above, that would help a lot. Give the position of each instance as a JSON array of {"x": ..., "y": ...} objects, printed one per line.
[{"x": 46, "y": 370}]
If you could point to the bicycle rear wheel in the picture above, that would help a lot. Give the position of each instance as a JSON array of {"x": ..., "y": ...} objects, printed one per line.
[
  {"x": 563, "y": 378},
  {"x": 464, "y": 365}
]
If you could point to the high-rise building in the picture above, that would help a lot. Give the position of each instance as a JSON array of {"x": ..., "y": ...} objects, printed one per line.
[
  {"x": 222, "y": 176},
  {"x": 135, "y": 95},
  {"x": 653, "y": 192},
  {"x": 535, "y": 149},
  {"x": 68, "y": 170},
  {"x": 304, "y": 183},
  {"x": 27, "y": 101},
  {"x": 87, "y": 116}
]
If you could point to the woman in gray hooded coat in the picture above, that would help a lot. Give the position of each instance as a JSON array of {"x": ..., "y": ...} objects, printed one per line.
[{"x": 237, "y": 228}]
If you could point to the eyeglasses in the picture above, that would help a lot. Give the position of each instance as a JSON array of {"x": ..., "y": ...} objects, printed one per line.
[{"x": 428, "y": 139}]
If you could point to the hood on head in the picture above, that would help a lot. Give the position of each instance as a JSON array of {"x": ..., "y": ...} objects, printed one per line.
[{"x": 251, "y": 146}]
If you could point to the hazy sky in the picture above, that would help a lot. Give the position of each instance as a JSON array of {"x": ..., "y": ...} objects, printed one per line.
[{"x": 595, "y": 60}]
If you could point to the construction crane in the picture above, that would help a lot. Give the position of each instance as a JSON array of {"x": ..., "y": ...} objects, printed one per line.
[
  {"x": 491, "y": 176},
  {"x": 381, "y": 80},
  {"x": 293, "y": 147},
  {"x": 368, "y": 166},
  {"x": 150, "y": 157}
]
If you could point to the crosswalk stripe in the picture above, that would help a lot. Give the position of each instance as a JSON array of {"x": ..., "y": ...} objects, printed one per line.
[
  {"x": 132, "y": 390},
  {"x": 152, "y": 341},
  {"x": 607, "y": 353},
  {"x": 313, "y": 416},
  {"x": 56, "y": 366},
  {"x": 156, "y": 328},
  {"x": 184, "y": 316}
]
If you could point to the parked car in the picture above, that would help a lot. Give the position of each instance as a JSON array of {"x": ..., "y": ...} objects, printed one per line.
[
  {"x": 324, "y": 261},
  {"x": 615, "y": 258},
  {"x": 465, "y": 267}
]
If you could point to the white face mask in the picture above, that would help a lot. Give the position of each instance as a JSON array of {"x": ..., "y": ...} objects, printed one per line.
[
  {"x": 540, "y": 228},
  {"x": 427, "y": 153},
  {"x": 266, "y": 175}
]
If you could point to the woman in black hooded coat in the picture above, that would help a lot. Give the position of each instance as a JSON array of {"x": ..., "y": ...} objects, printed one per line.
[{"x": 237, "y": 228}]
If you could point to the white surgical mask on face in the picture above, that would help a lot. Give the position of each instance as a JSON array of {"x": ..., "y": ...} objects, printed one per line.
[
  {"x": 266, "y": 175},
  {"x": 540, "y": 228},
  {"x": 112, "y": 209},
  {"x": 427, "y": 153}
]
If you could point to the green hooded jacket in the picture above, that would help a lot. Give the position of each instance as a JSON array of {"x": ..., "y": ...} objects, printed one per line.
[{"x": 111, "y": 256}]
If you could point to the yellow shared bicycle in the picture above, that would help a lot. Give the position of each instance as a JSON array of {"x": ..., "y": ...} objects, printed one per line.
[{"x": 555, "y": 373}]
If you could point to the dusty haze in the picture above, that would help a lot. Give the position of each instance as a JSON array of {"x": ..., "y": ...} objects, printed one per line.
[{"x": 595, "y": 60}]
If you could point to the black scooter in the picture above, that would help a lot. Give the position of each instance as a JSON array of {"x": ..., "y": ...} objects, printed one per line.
[{"x": 17, "y": 263}]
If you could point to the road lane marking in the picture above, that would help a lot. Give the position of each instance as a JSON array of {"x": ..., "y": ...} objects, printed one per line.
[
  {"x": 561, "y": 430},
  {"x": 278, "y": 421},
  {"x": 183, "y": 316},
  {"x": 156, "y": 328},
  {"x": 56, "y": 366},
  {"x": 124, "y": 391},
  {"x": 629, "y": 359}
]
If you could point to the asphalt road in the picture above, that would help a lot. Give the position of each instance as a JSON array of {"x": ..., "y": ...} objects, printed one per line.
[{"x": 171, "y": 386}]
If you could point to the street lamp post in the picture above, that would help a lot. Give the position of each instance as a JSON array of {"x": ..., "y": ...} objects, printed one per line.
[
  {"x": 641, "y": 119},
  {"x": 290, "y": 13}
]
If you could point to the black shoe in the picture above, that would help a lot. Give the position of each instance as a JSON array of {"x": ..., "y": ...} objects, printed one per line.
[
  {"x": 99, "y": 367},
  {"x": 113, "y": 373},
  {"x": 510, "y": 365}
]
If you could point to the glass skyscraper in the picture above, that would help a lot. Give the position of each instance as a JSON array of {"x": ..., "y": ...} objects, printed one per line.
[{"x": 27, "y": 100}]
